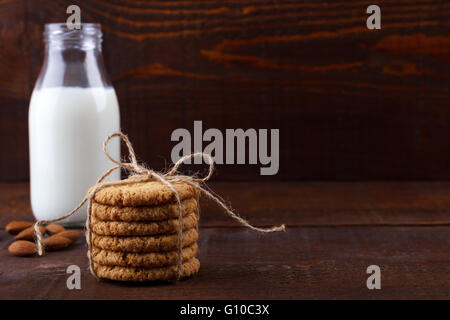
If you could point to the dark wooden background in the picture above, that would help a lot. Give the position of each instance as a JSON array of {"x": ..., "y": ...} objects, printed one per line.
[{"x": 350, "y": 103}]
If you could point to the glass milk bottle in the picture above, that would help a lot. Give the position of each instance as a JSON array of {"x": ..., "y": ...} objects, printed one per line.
[{"x": 73, "y": 109}]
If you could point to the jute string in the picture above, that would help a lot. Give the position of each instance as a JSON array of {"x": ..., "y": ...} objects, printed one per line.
[{"x": 142, "y": 174}]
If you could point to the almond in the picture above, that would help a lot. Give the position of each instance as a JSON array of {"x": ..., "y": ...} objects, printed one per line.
[
  {"x": 14, "y": 227},
  {"x": 54, "y": 229},
  {"x": 22, "y": 248},
  {"x": 72, "y": 235},
  {"x": 56, "y": 242},
  {"x": 28, "y": 234}
]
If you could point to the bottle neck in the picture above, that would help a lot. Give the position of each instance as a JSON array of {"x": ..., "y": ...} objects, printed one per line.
[{"x": 73, "y": 58}]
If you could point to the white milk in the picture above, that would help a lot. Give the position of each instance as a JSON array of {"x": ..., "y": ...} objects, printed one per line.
[{"x": 67, "y": 127}]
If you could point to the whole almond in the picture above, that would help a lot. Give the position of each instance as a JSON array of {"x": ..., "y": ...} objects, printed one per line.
[
  {"x": 72, "y": 235},
  {"x": 22, "y": 248},
  {"x": 56, "y": 242},
  {"x": 54, "y": 229},
  {"x": 14, "y": 227},
  {"x": 28, "y": 234}
]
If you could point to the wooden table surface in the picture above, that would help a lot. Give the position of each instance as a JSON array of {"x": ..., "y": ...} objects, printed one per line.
[{"x": 335, "y": 231}]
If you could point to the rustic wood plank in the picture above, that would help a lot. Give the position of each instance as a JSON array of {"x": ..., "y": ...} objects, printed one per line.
[
  {"x": 350, "y": 103},
  {"x": 300, "y": 204},
  {"x": 238, "y": 264}
]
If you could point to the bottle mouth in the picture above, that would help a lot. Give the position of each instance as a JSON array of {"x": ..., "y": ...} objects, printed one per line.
[{"x": 56, "y": 32}]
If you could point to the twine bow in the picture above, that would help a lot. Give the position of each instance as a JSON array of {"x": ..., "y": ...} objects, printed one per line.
[{"x": 142, "y": 174}]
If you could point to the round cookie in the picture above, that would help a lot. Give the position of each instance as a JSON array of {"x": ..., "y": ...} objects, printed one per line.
[
  {"x": 188, "y": 269},
  {"x": 118, "y": 228},
  {"x": 143, "y": 194},
  {"x": 155, "y": 213},
  {"x": 143, "y": 260},
  {"x": 144, "y": 244}
]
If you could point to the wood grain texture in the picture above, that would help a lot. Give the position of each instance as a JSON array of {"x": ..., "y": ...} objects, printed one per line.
[
  {"x": 313, "y": 263},
  {"x": 335, "y": 231},
  {"x": 299, "y": 204},
  {"x": 350, "y": 103}
]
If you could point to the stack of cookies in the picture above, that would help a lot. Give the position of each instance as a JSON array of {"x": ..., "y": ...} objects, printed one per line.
[{"x": 134, "y": 232}]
